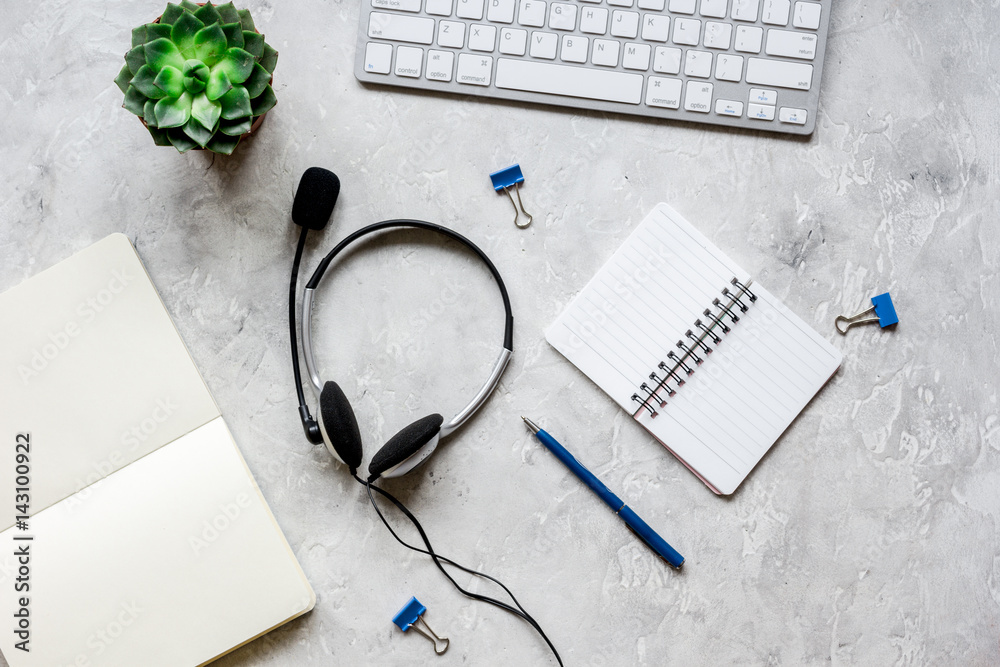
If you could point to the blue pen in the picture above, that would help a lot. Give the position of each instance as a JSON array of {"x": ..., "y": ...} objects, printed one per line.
[{"x": 631, "y": 519}]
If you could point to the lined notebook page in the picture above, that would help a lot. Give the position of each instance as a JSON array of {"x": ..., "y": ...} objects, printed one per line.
[{"x": 744, "y": 393}]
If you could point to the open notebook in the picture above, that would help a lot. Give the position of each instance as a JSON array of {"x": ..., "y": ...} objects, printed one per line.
[
  {"x": 708, "y": 361},
  {"x": 148, "y": 540}
]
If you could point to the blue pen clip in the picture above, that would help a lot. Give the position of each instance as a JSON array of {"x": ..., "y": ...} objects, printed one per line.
[
  {"x": 884, "y": 314},
  {"x": 510, "y": 179},
  {"x": 408, "y": 617}
]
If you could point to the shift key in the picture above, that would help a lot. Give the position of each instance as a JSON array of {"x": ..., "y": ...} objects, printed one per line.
[
  {"x": 401, "y": 28},
  {"x": 779, "y": 73}
]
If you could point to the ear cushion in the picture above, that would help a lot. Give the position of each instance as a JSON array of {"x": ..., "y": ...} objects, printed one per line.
[
  {"x": 339, "y": 425},
  {"x": 405, "y": 444}
]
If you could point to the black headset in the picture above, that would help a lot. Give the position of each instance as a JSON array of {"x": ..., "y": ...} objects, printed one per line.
[{"x": 337, "y": 426}]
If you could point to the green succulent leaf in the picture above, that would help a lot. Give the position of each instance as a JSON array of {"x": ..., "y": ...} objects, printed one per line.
[
  {"x": 237, "y": 64},
  {"x": 208, "y": 14},
  {"x": 181, "y": 141},
  {"x": 173, "y": 112},
  {"x": 210, "y": 41},
  {"x": 162, "y": 53},
  {"x": 124, "y": 78},
  {"x": 206, "y": 111},
  {"x": 218, "y": 85},
  {"x": 198, "y": 132},
  {"x": 258, "y": 81},
  {"x": 246, "y": 20},
  {"x": 171, "y": 14},
  {"x": 269, "y": 59},
  {"x": 236, "y": 104},
  {"x": 144, "y": 81},
  {"x": 135, "y": 102},
  {"x": 190, "y": 6},
  {"x": 223, "y": 144},
  {"x": 264, "y": 102},
  {"x": 149, "y": 113},
  {"x": 196, "y": 74},
  {"x": 159, "y": 136},
  {"x": 236, "y": 128},
  {"x": 254, "y": 43},
  {"x": 184, "y": 30},
  {"x": 171, "y": 81},
  {"x": 228, "y": 13},
  {"x": 138, "y": 36},
  {"x": 234, "y": 34},
  {"x": 136, "y": 58}
]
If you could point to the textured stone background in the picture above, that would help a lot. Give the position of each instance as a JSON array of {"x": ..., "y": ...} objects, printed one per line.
[{"x": 867, "y": 536}]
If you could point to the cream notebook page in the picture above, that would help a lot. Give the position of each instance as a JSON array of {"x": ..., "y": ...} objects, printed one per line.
[
  {"x": 150, "y": 543},
  {"x": 742, "y": 396}
]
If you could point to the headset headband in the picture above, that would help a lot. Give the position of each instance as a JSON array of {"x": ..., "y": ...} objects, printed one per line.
[{"x": 508, "y": 345}]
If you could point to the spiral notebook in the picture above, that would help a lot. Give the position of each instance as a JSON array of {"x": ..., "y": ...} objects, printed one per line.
[{"x": 704, "y": 358}]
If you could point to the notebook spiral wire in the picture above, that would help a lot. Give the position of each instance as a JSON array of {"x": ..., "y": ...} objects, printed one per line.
[{"x": 687, "y": 359}]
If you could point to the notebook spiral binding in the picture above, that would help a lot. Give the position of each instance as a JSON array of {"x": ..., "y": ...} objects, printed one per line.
[{"x": 696, "y": 344}]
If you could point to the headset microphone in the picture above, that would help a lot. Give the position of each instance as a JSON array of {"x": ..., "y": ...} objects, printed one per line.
[{"x": 314, "y": 200}]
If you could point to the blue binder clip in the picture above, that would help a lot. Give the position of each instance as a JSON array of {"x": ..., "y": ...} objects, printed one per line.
[
  {"x": 410, "y": 615},
  {"x": 509, "y": 179},
  {"x": 885, "y": 314}
]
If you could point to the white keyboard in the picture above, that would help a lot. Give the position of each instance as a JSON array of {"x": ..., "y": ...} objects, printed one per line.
[{"x": 740, "y": 63}]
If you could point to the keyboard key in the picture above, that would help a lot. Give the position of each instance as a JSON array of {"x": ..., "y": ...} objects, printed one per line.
[
  {"x": 543, "y": 45},
  {"x": 562, "y": 16},
  {"x": 698, "y": 97},
  {"x": 683, "y": 6},
  {"x": 728, "y": 67},
  {"x": 606, "y": 52},
  {"x": 594, "y": 20},
  {"x": 438, "y": 7},
  {"x": 574, "y": 49},
  {"x": 378, "y": 57},
  {"x": 439, "y": 65},
  {"x": 625, "y": 24},
  {"x": 793, "y": 115},
  {"x": 470, "y": 9},
  {"x": 652, "y": 5},
  {"x": 451, "y": 33},
  {"x": 621, "y": 3},
  {"x": 807, "y": 15},
  {"x": 760, "y": 96},
  {"x": 655, "y": 28},
  {"x": 482, "y": 37},
  {"x": 474, "y": 69},
  {"x": 760, "y": 111},
  {"x": 748, "y": 39},
  {"x": 698, "y": 64},
  {"x": 532, "y": 13},
  {"x": 398, "y": 5},
  {"x": 408, "y": 61},
  {"x": 662, "y": 92},
  {"x": 779, "y": 73},
  {"x": 791, "y": 44},
  {"x": 745, "y": 10},
  {"x": 401, "y": 28},
  {"x": 667, "y": 60},
  {"x": 729, "y": 108},
  {"x": 687, "y": 31},
  {"x": 594, "y": 84},
  {"x": 513, "y": 42},
  {"x": 718, "y": 35},
  {"x": 775, "y": 13},
  {"x": 636, "y": 56},
  {"x": 715, "y": 9},
  {"x": 498, "y": 11}
]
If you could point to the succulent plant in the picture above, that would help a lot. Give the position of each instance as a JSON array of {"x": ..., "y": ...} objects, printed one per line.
[{"x": 199, "y": 76}]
